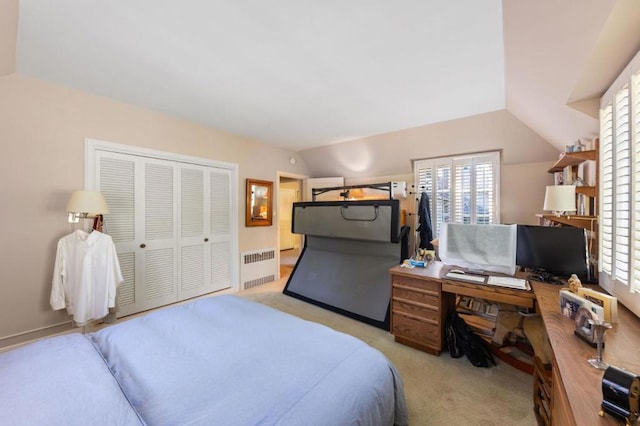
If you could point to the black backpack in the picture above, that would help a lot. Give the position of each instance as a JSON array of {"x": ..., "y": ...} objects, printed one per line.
[{"x": 461, "y": 340}]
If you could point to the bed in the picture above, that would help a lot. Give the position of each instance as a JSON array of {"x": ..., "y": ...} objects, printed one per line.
[{"x": 218, "y": 360}]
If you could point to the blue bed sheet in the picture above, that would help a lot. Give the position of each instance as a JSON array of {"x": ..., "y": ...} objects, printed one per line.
[
  {"x": 226, "y": 360},
  {"x": 61, "y": 381}
]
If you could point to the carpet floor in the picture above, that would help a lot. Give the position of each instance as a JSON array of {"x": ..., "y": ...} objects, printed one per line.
[{"x": 439, "y": 390}]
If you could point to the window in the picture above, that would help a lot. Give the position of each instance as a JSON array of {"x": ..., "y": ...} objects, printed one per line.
[
  {"x": 461, "y": 189},
  {"x": 619, "y": 224}
]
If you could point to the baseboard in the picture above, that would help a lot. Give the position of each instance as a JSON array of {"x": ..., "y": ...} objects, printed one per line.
[{"x": 14, "y": 340}]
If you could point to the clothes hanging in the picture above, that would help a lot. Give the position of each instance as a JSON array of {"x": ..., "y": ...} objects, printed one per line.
[
  {"x": 86, "y": 275},
  {"x": 425, "y": 229}
]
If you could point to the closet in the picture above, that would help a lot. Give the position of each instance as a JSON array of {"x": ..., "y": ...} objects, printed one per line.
[{"x": 172, "y": 219}]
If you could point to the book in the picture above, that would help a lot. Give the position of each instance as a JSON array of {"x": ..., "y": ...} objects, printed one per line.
[
  {"x": 608, "y": 303},
  {"x": 571, "y": 302}
]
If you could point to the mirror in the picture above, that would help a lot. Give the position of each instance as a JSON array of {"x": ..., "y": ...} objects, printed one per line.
[{"x": 259, "y": 203}]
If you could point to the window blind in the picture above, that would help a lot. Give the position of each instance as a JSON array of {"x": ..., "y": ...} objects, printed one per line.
[{"x": 462, "y": 189}]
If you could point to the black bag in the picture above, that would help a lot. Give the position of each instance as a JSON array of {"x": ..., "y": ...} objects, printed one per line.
[{"x": 461, "y": 340}]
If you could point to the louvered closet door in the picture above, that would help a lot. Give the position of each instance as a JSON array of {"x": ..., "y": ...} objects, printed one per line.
[
  {"x": 205, "y": 231},
  {"x": 142, "y": 197},
  {"x": 193, "y": 255},
  {"x": 172, "y": 223},
  {"x": 220, "y": 228},
  {"x": 116, "y": 179},
  {"x": 159, "y": 211}
]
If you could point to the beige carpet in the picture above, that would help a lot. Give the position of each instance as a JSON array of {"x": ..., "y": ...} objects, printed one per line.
[{"x": 439, "y": 390}]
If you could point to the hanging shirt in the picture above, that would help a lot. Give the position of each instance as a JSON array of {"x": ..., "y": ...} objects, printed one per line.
[{"x": 86, "y": 275}]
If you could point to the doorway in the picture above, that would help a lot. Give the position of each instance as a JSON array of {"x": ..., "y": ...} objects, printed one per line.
[{"x": 290, "y": 244}]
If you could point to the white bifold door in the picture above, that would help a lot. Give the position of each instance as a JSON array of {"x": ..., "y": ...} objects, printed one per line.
[{"x": 171, "y": 223}]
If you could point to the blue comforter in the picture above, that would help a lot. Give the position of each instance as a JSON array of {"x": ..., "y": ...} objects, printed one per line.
[{"x": 226, "y": 360}]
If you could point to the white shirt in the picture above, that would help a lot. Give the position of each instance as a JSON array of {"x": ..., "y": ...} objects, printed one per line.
[{"x": 86, "y": 275}]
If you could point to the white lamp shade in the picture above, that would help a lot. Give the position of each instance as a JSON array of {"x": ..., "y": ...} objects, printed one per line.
[
  {"x": 90, "y": 202},
  {"x": 560, "y": 198}
]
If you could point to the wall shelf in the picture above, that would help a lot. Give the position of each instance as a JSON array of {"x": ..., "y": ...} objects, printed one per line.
[
  {"x": 573, "y": 159},
  {"x": 585, "y": 222}
]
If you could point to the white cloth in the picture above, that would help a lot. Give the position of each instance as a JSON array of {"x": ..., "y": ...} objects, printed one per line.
[{"x": 86, "y": 275}]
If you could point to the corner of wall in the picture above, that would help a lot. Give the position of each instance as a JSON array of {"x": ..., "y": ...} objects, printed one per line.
[{"x": 8, "y": 36}]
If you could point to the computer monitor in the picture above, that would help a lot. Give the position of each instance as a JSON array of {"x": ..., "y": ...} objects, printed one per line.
[{"x": 556, "y": 250}]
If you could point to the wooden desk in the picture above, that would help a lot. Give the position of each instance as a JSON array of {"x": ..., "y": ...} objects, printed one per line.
[
  {"x": 421, "y": 299},
  {"x": 576, "y": 386}
]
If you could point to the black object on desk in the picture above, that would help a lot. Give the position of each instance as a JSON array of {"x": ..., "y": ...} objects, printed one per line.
[
  {"x": 543, "y": 276},
  {"x": 620, "y": 394}
]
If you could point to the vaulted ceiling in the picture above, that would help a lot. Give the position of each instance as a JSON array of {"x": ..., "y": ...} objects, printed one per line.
[{"x": 302, "y": 73}]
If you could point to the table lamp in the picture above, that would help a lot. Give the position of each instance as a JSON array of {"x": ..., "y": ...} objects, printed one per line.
[
  {"x": 86, "y": 204},
  {"x": 560, "y": 199}
]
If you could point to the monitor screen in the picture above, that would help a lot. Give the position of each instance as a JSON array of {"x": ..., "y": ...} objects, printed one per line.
[{"x": 556, "y": 250}]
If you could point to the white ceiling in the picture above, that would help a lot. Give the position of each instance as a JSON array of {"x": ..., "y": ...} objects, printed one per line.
[{"x": 303, "y": 73}]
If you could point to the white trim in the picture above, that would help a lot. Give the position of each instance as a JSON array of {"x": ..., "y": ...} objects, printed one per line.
[
  {"x": 92, "y": 145},
  {"x": 279, "y": 175},
  {"x": 623, "y": 78}
]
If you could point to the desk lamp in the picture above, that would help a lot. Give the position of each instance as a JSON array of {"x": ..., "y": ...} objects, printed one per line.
[{"x": 560, "y": 199}]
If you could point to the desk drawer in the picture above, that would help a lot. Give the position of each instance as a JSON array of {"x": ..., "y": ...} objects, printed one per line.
[
  {"x": 427, "y": 298},
  {"x": 417, "y": 284},
  {"x": 416, "y": 330},
  {"x": 428, "y": 313}
]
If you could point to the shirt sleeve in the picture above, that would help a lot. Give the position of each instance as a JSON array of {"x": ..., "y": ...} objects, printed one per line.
[{"x": 57, "y": 298}]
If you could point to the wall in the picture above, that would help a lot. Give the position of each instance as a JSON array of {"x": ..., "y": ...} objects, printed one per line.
[
  {"x": 526, "y": 157},
  {"x": 8, "y": 35},
  {"x": 43, "y": 129}
]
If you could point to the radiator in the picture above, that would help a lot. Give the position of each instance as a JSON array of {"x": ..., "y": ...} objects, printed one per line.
[{"x": 258, "y": 267}]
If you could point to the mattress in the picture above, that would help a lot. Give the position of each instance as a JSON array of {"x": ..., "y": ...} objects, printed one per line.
[
  {"x": 226, "y": 360},
  {"x": 61, "y": 381},
  {"x": 220, "y": 360}
]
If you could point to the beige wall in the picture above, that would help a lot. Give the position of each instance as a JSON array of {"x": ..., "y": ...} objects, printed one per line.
[
  {"x": 522, "y": 191},
  {"x": 8, "y": 36},
  {"x": 526, "y": 157},
  {"x": 42, "y": 132},
  {"x": 43, "y": 129}
]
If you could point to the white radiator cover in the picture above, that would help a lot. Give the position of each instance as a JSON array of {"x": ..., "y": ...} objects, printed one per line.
[{"x": 258, "y": 267}]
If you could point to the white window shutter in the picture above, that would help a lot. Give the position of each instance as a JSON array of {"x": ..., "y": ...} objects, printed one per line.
[
  {"x": 635, "y": 143},
  {"x": 606, "y": 189},
  {"x": 462, "y": 189},
  {"x": 622, "y": 179},
  {"x": 443, "y": 196}
]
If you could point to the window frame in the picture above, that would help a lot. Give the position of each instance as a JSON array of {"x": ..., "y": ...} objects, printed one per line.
[
  {"x": 449, "y": 207},
  {"x": 619, "y": 192}
]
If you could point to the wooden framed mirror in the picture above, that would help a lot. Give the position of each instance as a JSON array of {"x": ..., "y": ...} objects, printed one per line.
[{"x": 259, "y": 210}]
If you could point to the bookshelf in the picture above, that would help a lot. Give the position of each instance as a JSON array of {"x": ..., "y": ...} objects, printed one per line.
[{"x": 570, "y": 165}]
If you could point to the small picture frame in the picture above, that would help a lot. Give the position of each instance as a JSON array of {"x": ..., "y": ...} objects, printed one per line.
[
  {"x": 570, "y": 303},
  {"x": 608, "y": 303}
]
